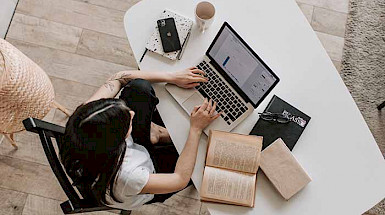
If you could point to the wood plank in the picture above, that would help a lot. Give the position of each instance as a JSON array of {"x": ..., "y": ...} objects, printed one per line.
[
  {"x": 28, "y": 177},
  {"x": 37, "y": 205},
  {"x": 70, "y": 102},
  {"x": 153, "y": 209},
  {"x": 106, "y": 47},
  {"x": 159, "y": 209},
  {"x": 69, "y": 66},
  {"x": 329, "y": 22},
  {"x": 122, "y": 5},
  {"x": 43, "y": 32},
  {"x": 336, "y": 5},
  {"x": 176, "y": 211},
  {"x": 72, "y": 88},
  {"x": 70, "y": 93},
  {"x": 60, "y": 118},
  {"x": 41, "y": 206},
  {"x": 11, "y": 202},
  {"x": 77, "y": 14},
  {"x": 204, "y": 210},
  {"x": 190, "y": 192},
  {"x": 30, "y": 148},
  {"x": 333, "y": 45},
  {"x": 338, "y": 65},
  {"x": 186, "y": 204},
  {"x": 307, "y": 10}
]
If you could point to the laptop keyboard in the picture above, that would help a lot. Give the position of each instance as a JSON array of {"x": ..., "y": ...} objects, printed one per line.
[{"x": 218, "y": 91}]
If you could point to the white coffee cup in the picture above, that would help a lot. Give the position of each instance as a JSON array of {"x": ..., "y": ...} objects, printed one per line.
[{"x": 204, "y": 15}]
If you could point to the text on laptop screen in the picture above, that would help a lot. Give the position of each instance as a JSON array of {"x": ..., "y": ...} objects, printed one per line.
[{"x": 241, "y": 65}]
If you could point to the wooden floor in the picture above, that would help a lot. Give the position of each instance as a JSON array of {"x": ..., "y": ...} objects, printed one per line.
[{"x": 80, "y": 43}]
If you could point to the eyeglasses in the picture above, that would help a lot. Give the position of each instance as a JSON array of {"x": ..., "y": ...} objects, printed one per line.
[
  {"x": 277, "y": 117},
  {"x": 283, "y": 117}
]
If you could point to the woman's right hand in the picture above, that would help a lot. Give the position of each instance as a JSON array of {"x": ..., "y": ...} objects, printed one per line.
[
  {"x": 188, "y": 78},
  {"x": 203, "y": 115}
]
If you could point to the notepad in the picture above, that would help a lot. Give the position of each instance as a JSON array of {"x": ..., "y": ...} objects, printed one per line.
[{"x": 183, "y": 26}]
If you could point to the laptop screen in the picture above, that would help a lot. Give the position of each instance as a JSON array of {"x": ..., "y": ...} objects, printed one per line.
[{"x": 242, "y": 65}]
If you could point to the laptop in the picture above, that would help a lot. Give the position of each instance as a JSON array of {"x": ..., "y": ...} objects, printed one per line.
[{"x": 238, "y": 80}]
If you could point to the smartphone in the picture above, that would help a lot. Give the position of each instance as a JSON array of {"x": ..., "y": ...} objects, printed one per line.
[{"x": 169, "y": 35}]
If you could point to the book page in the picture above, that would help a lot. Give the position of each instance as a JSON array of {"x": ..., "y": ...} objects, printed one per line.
[
  {"x": 234, "y": 151},
  {"x": 228, "y": 186}
]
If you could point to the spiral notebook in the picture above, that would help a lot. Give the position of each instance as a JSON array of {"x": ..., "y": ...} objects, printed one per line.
[{"x": 183, "y": 26}]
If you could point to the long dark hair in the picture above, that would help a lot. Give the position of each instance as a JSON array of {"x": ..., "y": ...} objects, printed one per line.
[{"x": 93, "y": 146}]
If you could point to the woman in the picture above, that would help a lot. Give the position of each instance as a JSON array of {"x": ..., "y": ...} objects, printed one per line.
[{"x": 109, "y": 147}]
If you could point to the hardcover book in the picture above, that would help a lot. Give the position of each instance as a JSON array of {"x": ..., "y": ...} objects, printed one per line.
[
  {"x": 283, "y": 170},
  {"x": 230, "y": 173},
  {"x": 288, "y": 132}
]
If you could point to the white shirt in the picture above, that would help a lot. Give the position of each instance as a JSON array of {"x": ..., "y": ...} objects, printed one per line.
[{"x": 133, "y": 175}]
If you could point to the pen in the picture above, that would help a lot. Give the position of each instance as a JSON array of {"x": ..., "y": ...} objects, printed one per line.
[
  {"x": 145, "y": 51},
  {"x": 183, "y": 46}
]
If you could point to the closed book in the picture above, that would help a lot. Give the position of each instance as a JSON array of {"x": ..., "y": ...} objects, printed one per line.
[
  {"x": 288, "y": 132},
  {"x": 283, "y": 170}
]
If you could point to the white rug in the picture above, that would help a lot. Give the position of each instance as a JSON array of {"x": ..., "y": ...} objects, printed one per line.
[{"x": 363, "y": 67}]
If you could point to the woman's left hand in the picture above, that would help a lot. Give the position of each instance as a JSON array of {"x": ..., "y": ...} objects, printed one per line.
[{"x": 188, "y": 78}]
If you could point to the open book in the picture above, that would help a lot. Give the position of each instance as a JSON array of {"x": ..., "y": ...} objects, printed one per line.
[{"x": 230, "y": 173}]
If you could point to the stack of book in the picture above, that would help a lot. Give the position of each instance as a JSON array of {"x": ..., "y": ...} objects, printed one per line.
[{"x": 232, "y": 160}]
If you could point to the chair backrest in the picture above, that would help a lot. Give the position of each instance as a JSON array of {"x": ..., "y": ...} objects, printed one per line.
[{"x": 46, "y": 131}]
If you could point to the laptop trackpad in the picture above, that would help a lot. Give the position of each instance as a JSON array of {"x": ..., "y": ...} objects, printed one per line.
[{"x": 194, "y": 100}]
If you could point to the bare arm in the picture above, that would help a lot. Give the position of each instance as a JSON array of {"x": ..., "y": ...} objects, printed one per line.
[
  {"x": 187, "y": 79},
  {"x": 201, "y": 117}
]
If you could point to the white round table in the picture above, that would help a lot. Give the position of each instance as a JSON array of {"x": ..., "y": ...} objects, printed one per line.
[{"x": 336, "y": 149}]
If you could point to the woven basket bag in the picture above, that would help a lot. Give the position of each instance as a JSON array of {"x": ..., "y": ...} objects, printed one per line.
[{"x": 25, "y": 90}]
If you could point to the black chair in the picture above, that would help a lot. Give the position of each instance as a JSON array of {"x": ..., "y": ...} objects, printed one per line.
[
  {"x": 75, "y": 203},
  {"x": 382, "y": 105}
]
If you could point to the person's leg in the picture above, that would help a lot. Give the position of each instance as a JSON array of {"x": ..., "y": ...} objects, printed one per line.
[
  {"x": 166, "y": 157},
  {"x": 140, "y": 97},
  {"x": 159, "y": 134}
]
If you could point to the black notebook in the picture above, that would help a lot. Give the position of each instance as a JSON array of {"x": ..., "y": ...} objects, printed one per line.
[{"x": 289, "y": 132}]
